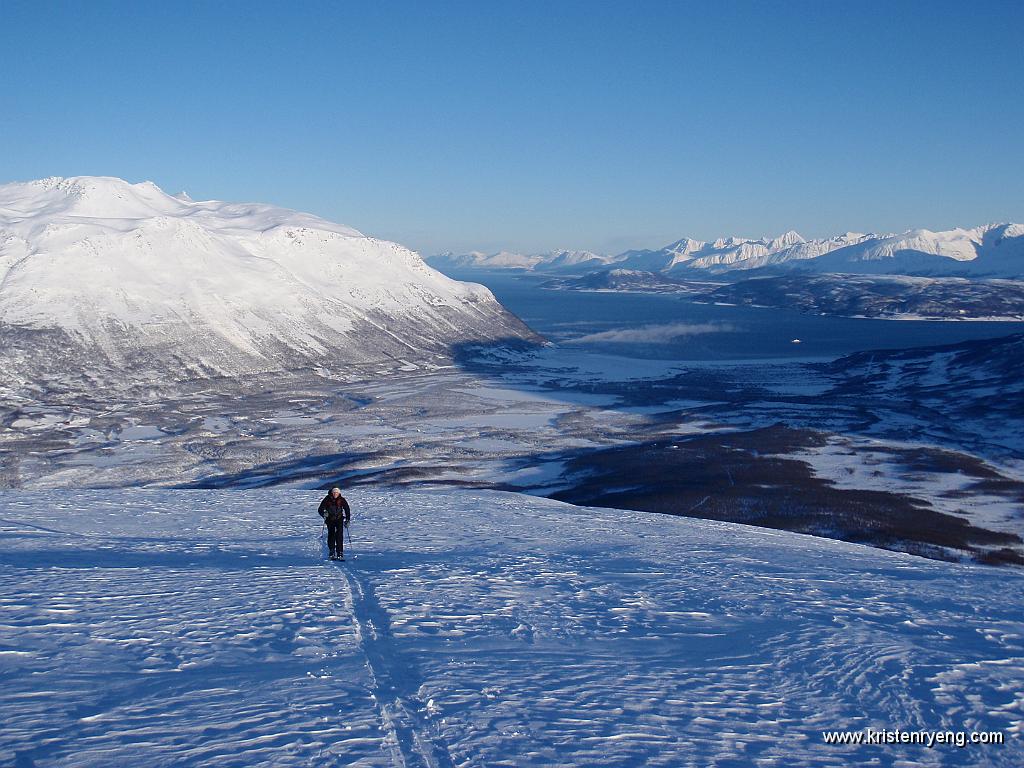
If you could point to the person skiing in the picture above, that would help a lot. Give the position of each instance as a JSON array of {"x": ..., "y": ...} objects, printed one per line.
[{"x": 336, "y": 513}]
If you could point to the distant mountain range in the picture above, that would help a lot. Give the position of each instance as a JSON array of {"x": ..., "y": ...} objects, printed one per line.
[
  {"x": 552, "y": 261},
  {"x": 97, "y": 274},
  {"x": 993, "y": 250}
]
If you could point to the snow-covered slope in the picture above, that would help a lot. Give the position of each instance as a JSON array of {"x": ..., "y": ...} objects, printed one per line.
[
  {"x": 994, "y": 250},
  {"x": 198, "y": 628},
  {"x": 98, "y": 272},
  {"x": 979, "y": 379}
]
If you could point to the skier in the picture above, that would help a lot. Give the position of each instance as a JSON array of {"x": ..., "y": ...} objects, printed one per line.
[{"x": 336, "y": 513}]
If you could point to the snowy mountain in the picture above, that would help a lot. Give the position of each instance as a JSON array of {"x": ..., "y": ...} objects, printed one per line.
[
  {"x": 993, "y": 250},
  {"x": 99, "y": 274},
  {"x": 480, "y": 260},
  {"x": 479, "y": 628},
  {"x": 720, "y": 255},
  {"x": 550, "y": 261},
  {"x": 729, "y": 253}
]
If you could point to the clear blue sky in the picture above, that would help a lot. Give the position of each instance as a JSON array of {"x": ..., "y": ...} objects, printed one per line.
[{"x": 530, "y": 125}]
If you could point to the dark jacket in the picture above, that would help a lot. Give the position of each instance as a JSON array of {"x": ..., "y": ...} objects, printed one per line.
[{"x": 335, "y": 509}]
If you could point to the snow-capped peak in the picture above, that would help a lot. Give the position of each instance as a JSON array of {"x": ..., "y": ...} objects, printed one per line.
[
  {"x": 785, "y": 240},
  {"x": 91, "y": 196},
  {"x": 685, "y": 245}
]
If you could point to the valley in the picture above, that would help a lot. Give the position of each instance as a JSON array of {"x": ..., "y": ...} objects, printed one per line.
[{"x": 820, "y": 448}]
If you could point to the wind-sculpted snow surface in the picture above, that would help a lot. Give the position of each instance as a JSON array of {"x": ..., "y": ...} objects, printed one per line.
[
  {"x": 198, "y": 628},
  {"x": 98, "y": 275}
]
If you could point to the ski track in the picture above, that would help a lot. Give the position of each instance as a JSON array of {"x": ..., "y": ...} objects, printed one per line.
[
  {"x": 476, "y": 628},
  {"x": 412, "y": 741}
]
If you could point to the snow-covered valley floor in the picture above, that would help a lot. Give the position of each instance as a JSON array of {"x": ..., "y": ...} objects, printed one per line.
[
  {"x": 479, "y": 628},
  {"x": 775, "y": 444}
]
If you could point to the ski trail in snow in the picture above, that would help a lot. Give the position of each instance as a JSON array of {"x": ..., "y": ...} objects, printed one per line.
[
  {"x": 394, "y": 684},
  {"x": 15, "y": 524}
]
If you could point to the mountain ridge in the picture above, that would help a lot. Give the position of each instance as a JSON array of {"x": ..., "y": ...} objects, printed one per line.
[{"x": 990, "y": 250}]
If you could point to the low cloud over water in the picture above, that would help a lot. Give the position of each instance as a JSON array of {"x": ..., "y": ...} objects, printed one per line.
[{"x": 653, "y": 334}]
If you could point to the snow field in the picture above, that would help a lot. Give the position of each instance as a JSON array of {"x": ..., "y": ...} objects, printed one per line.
[{"x": 477, "y": 628}]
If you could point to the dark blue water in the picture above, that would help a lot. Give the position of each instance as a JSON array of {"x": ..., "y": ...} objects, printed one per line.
[{"x": 712, "y": 332}]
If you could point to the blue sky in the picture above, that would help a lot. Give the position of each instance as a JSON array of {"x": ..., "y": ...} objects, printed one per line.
[{"x": 523, "y": 125}]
